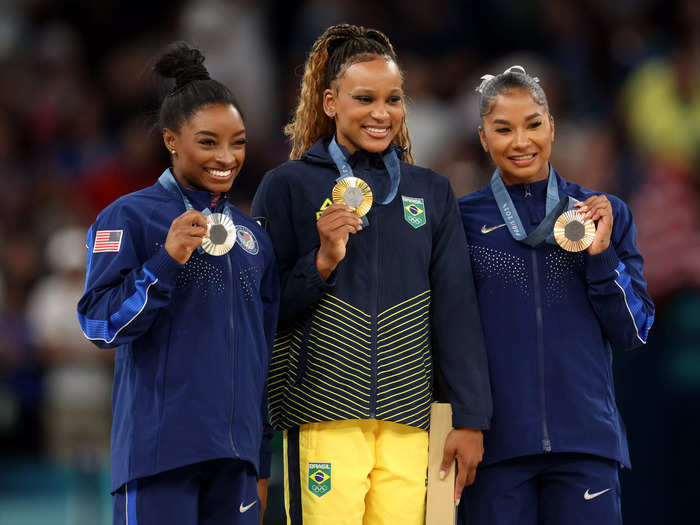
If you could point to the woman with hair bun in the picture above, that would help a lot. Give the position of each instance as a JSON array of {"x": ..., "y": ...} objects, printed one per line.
[
  {"x": 185, "y": 287},
  {"x": 376, "y": 290},
  {"x": 560, "y": 285}
]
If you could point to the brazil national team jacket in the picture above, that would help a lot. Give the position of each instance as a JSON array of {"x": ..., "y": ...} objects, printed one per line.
[
  {"x": 551, "y": 320},
  {"x": 362, "y": 344},
  {"x": 192, "y": 341}
]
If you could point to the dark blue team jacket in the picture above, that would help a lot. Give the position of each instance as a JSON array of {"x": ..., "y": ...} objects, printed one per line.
[
  {"x": 192, "y": 341},
  {"x": 551, "y": 321},
  {"x": 363, "y": 344}
]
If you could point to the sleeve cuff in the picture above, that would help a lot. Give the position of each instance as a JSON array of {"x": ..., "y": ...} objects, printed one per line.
[
  {"x": 264, "y": 467},
  {"x": 164, "y": 267},
  {"x": 313, "y": 278},
  {"x": 465, "y": 420},
  {"x": 601, "y": 267},
  {"x": 265, "y": 463}
]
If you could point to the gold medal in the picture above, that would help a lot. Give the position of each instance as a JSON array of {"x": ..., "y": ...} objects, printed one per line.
[
  {"x": 573, "y": 233},
  {"x": 353, "y": 192},
  {"x": 222, "y": 235}
]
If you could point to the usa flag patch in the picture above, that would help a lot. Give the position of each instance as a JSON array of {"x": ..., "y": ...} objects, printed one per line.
[{"x": 107, "y": 241}]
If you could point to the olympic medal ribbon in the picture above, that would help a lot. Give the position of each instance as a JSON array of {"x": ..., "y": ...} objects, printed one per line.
[
  {"x": 554, "y": 207},
  {"x": 219, "y": 223}
]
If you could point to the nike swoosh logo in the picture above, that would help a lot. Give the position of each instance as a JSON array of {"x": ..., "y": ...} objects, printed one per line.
[
  {"x": 485, "y": 229},
  {"x": 587, "y": 495},
  {"x": 243, "y": 509}
]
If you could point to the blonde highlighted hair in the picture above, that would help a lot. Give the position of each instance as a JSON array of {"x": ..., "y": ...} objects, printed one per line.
[{"x": 334, "y": 51}]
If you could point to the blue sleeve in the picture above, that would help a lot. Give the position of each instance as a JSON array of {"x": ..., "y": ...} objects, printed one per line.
[
  {"x": 616, "y": 286},
  {"x": 270, "y": 291},
  {"x": 458, "y": 343},
  {"x": 124, "y": 289},
  {"x": 301, "y": 284}
]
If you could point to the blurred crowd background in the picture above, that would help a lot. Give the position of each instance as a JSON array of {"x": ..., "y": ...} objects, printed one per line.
[{"x": 77, "y": 113}]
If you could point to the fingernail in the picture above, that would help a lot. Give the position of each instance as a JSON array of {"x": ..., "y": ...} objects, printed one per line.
[
  {"x": 458, "y": 500},
  {"x": 443, "y": 474}
]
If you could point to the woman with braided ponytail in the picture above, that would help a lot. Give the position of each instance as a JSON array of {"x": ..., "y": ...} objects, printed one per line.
[
  {"x": 372, "y": 298},
  {"x": 185, "y": 287}
]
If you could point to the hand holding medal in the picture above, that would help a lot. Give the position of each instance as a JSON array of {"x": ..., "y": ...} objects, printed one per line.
[
  {"x": 185, "y": 235},
  {"x": 334, "y": 228},
  {"x": 599, "y": 210}
]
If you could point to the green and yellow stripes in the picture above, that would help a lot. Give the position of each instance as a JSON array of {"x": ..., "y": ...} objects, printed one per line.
[
  {"x": 404, "y": 362},
  {"x": 334, "y": 371},
  {"x": 322, "y": 368}
]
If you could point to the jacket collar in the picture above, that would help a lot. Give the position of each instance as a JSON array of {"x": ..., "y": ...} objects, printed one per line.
[{"x": 318, "y": 154}]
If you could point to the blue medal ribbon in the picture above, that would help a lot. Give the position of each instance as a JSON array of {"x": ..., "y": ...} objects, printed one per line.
[
  {"x": 167, "y": 180},
  {"x": 555, "y": 206},
  {"x": 391, "y": 163}
]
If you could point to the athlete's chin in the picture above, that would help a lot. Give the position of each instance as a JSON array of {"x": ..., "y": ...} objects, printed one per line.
[
  {"x": 219, "y": 187},
  {"x": 376, "y": 145}
]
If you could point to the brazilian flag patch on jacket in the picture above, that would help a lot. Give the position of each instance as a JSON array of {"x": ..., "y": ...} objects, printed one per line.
[
  {"x": 413, "y": 211},
  {"x": 319, "y": 478}
]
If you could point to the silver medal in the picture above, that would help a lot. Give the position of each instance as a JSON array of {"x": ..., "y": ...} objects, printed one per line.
[{"x": 222, "y": 235}]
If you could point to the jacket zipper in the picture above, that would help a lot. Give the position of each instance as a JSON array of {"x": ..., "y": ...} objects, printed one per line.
[
  {"x": 232, "y": 337},
  {"x": 546, "y": 443},
  {"x": 375, "y": 286}
]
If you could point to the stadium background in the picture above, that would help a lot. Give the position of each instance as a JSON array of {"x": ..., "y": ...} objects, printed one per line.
[{"x": 76, "y": 115}]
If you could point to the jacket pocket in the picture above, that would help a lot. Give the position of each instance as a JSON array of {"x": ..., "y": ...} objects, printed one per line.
[{"x": 302, "y": 332}]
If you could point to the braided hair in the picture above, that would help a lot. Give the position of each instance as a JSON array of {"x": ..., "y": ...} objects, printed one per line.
[
  {"x": 193, "y": 87},
  {"x": 338, "y": 48}
]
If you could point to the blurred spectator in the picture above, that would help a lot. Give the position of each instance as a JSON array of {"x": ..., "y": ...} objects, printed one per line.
[
  {"x": 667, "y": 211},
  {"x": 661, "y": 105},
  {"x": 233, "y": 36},
  {"x": 20, "y": 365},
  {"x": 75, "y": 409},
  {"x": 135, "y": 163}
]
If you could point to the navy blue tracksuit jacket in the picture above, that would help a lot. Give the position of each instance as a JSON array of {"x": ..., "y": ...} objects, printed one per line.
[
  {"x": 192, "y": 341},
  {"x": 551, "y": 321}
]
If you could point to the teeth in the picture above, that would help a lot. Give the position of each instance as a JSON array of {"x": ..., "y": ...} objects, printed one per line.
[
  {"x": 377, "y": 130},
  {"x": 219, "y": 173},
  {"x": 523, "y": 157}
]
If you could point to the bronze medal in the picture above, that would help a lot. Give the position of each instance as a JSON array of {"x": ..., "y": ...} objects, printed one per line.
[{"x": 573, "y": 233}]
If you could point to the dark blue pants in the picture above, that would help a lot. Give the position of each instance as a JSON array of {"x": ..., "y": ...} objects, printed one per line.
[
  {"x": 547, "y": 489},
  {"x": 216, "y": 492}
]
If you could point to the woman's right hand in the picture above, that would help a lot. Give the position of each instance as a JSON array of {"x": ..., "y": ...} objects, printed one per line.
[
  {"x": 185, "y": 235},
  {"x": 334, "y": 228}
]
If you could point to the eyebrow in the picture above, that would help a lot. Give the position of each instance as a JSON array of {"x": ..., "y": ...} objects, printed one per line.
[
  {"x": 364, "y": 90},
  {"x": 529, "y": 117},
  {"x": 212, "y": 134}
]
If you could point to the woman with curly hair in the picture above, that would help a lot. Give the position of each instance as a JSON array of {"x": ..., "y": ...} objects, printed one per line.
[{"x": 376, "y": 290}]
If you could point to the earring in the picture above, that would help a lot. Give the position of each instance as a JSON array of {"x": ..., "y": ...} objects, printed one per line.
[
  {"x": 172, "y": 152},
  {"x": 331, "y": 114}
]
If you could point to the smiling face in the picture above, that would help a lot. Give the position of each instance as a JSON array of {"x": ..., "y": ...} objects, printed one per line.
[
  {"x": 518, "y": 134},
  {"x": 209, "y": 148},
  {"x": 367, "y": 105}
]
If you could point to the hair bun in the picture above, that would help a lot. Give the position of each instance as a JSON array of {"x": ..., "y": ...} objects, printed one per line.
[{"x": 183, "y": 63}]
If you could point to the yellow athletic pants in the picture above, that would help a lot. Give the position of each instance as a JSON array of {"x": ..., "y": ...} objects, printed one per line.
[{"x": 355, "y": 472}]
